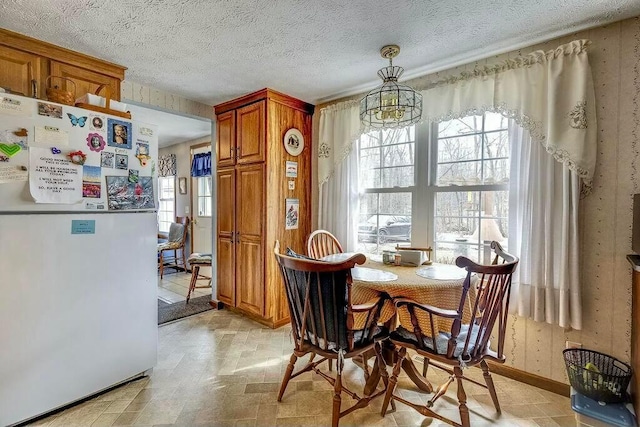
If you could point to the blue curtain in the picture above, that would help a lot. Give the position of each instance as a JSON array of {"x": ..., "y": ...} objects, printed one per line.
[{"x": 201, "y": 164}]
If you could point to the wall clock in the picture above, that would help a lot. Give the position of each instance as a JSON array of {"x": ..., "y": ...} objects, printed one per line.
[{"x": 293, "y": 142}]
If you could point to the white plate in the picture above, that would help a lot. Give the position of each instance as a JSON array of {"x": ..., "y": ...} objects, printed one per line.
[
  {"x": 442, "y": 272},
  {"x": 365, "y": 274},
  {"x": 293, "y": 142}
]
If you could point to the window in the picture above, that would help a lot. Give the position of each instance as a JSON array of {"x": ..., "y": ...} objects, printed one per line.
[
  {"x": 387, "y": 178},
  {"x": 453, "y": 176},
  {"x": 204, "y": 196},
  {"x": 166, "y": 212}
]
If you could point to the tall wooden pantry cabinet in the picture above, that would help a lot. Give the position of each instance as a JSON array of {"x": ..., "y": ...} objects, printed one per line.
[{"x": 252, "y": 192}]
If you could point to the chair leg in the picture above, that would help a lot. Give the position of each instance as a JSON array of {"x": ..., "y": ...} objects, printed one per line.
[
  {"x": 393, "y": 380},
  {"x": 382, "y": 368},
  {"x": 462, "y": 398},
  {"x": 330, "y": 365},
  {"x": 194, "y": 280},
  {"x": 161, "y": 264},
  {"x": 365, "y": 366},
  {"x": 287, "y": 376},
  {"x": 490, "y": 386},
  {"x": 425, "y": 366},
  {"x": 337, "y": 391},
  {"x": 184, "y": 261}
]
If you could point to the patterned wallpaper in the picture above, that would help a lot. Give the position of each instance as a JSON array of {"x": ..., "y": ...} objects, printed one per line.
[
  {"x": 147, "y": 95},
  {"x": 606, "y": 215}
]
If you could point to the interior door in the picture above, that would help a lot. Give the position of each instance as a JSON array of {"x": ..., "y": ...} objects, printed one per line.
[
  {"x": 250, "y": 182},
  {"x": 202, "y": 208}
]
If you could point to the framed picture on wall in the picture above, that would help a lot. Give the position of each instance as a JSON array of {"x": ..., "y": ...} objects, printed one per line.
[{"x": 182, "y": 185}]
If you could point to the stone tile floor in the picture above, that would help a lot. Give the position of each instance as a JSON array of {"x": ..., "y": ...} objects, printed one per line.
[{"x": 221, "y": 369}]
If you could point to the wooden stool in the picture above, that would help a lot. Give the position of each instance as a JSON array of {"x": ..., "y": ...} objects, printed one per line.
[{"x": 196, "y": 261}]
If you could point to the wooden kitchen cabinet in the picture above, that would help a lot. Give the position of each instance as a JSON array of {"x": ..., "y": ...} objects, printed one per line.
[
  {"x": 25, "y": 62},
  {"x": 86, "y": 81},
  {"x": 250, "y": 133},
  {"x": 226, "y": 190},
  {"x": 20, "y": 72},
  {"x": 226, "y": 139},
  {"x": 251, "y": 196}
]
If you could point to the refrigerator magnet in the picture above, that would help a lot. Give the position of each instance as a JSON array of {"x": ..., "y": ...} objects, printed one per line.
[
  {"x": 10, "y": 149},
  {"x": 15, "y": 137},
  {"x": 142, "y": 153},
  {"x": 107, "y": 159},
  {"x": 95, "y": 142},
  {"x": 122, "y": 161},
  {"x": 119, "y": 133},
  {"x": 77, "y": 157},
  {"x": 134, "y": 176}
]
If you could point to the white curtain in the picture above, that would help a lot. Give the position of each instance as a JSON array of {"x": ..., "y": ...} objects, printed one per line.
[
  {"x": 543, "y": 231},
  {"x": 338, "y": 172},
  {"x": 550, "y": 95}
]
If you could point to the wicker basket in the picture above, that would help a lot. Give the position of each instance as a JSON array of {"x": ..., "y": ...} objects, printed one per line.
[
  {"x": 55, "y": 94},
  {"x": 597, "y": 375}
]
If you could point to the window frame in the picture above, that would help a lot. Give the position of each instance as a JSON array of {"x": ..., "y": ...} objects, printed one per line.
[
  {"x": 161, "y": 199},
  {"x": 200, "y": 196},
  {"x": 390, "y": 190},
  {"x": 425, "y": 189}
]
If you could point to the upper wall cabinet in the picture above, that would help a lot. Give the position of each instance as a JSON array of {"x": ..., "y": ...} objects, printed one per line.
[
  {"x": 25, "y": 64},
  {"x": 20, "y": 71}
]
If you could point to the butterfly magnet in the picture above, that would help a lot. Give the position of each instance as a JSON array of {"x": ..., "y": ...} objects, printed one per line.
[{"x": 77, "y": 121}]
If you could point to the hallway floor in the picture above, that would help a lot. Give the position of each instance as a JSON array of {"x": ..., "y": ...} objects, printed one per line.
[
  {"x": 221, "y": 369},
  {"x": 174, "y": 285}
]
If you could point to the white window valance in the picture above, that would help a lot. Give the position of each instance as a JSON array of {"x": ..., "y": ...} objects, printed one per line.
[{"x": 548, "y": 93}]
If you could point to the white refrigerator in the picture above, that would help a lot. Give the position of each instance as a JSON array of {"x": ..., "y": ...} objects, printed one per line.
[{"x": 78, "y": 286}]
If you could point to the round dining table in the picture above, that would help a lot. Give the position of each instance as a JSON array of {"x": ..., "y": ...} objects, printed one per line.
[{"x": 439, "y": 285}]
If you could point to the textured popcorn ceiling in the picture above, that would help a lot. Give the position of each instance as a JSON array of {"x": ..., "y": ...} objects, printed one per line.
[{"x": 212, "y": 51}]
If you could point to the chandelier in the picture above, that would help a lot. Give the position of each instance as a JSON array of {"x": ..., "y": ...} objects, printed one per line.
[{"x": 391, "y": 104}]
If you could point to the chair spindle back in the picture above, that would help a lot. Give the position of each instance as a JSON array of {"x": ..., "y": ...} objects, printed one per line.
[
  {"x": 492, "y": 290},
  {"x": 322, "y": 243},
  {"x": 319, "y": 297}
]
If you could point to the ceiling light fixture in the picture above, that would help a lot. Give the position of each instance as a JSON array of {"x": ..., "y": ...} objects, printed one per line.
[{"x": 392, "y": 104}]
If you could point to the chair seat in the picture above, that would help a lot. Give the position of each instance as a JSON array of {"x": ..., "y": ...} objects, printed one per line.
[
  {"x": 198, "y": 258},
  {"x": 379, "y": 333},
  {"x": 442, "y": 340},
  {"x": 169, "y": 245}
]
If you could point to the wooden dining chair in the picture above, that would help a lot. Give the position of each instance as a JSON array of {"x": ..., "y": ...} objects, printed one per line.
[
  {"x": 322, "y": 243},
  {"x": 465, "y": 345},
  {"x": 168, "y": 251},
  {"x": 322, "y": 322}
]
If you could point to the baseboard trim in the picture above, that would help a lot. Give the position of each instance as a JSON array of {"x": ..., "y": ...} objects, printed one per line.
[
  {"x": 531, "y": 379},
  {"x": 216, "y": 304}
]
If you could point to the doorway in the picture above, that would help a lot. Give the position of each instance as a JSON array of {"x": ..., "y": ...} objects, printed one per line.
[
  {"x": 176, "y": 135},
  {"x": 202, "y": 208}
]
